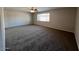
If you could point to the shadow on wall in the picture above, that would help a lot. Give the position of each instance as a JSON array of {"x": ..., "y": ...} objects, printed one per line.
[{"x": 62, "y": 19}]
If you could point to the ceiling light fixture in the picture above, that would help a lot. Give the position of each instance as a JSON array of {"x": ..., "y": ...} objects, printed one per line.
[{"x": 33, "y": 10}]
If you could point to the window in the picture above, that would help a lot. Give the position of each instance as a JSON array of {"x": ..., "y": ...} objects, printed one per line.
[{"x": 43, "y": 17}]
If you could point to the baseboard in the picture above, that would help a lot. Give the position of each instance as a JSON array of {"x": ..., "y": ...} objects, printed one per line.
[
  {"x": 17, "y": 26},
  {"x": 55, "y": 29}
]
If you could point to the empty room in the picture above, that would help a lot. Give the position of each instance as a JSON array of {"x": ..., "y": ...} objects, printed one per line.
[{"x": 41, "y": 28}]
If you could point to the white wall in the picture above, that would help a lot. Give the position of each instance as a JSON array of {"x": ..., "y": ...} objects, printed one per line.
[
  {"x": 2, "y": 30},
  {"x": 16, "y": 18},
  {"x": 62, "y": 19},
  {"x": 77, "y": 28}
]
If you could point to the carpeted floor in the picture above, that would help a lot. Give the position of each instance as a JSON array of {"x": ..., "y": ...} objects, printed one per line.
[{"x": 39, "y": 38}]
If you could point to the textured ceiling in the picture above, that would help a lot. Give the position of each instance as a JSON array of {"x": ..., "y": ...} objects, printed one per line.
[{"x": 27, "y": 9}]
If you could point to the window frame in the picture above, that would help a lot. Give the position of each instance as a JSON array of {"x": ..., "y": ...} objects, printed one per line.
[{"x": 45, "y": 20}]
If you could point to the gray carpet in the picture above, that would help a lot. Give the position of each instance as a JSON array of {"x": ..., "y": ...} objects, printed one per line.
[{"x": 39, "y": 38}]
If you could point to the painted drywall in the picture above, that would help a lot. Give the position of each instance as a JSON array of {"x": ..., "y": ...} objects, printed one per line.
[
  {"x": 77, "y": 28},
  {"x": 16, "y": 18},
  {"x": 1, "y": 46},
  {"x": 62, "y": 19},
  {"x": 2, "y": 30}
]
